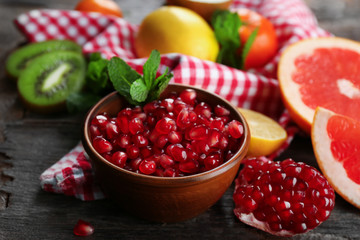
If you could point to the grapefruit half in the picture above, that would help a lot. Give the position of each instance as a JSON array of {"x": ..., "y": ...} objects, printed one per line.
[
  {"x": 336, "y": 143},
  {"x": 321, "y": 72}
]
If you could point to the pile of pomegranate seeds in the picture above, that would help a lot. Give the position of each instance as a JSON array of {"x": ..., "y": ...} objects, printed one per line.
[
  {"x": 172, "y": 137},
  {"x": 282, "y": 198}
]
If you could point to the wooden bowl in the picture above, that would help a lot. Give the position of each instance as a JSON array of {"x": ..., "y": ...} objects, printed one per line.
[{"x": 163, "y": 199}]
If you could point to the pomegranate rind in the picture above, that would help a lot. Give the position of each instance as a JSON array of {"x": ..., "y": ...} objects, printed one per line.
[
  {"x": 290, "y": 91},
  {"x": 332, "y": 169},
  {"x": 250, "y": 220}
]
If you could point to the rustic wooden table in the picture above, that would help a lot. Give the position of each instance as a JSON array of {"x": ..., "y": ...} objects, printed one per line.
[{"x": 30, "y": 143}]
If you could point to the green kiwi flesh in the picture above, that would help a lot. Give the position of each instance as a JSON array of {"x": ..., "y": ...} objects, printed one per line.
[
  {"x": 50, "y": 78},
  {"x": 20, "y": 58}
]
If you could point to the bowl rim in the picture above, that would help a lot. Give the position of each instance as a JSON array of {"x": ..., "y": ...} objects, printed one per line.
[{"x": 238, "y": 156}]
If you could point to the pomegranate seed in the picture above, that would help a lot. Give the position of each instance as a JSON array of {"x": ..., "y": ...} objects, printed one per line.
[
  {"x": 212, "y": 161},
  {"x": 136, "y": 126},
  {"x": 94, "y": 131},
  {"x": 203, "y": 109},
  {"x": 175, "y": 137},
  {"x": 102, "y": 145},
  {"x": 159, "y": 172},
  {"x": 139, "y": 140},
  {"x": 190, "y": 166},
  {"x": 146, "y": 151},
  {"x": 183, "y": 119},
  {"x": 123, "y": 123},
  {"x": 139, "y": 115},
  {"x": 168, "y": 103},
  {"x": 154, "y": 135},
  {"x": 100, "y": 121},
  {"x": 169, "y": 172},
  {"x": 214, "y": 138},
  {"x": 178, "y": 106},
  {"x": 203, "y": 120},
  {"x": 119, "y": 158},
  {"x": 178, "y": 152},
  {"x": 124, "y": 141},
  {"x": 134, "y": 164},
  {"x": 125, "y": 112},
  {"x": 161, "y": 141},
  {"x": 236, "y": 129},
  {"x": 151, "y": 121},
  {"x": 160, "y": 112},
  {"x": 147, "y": 166},
  {"x": 188, "y": 96},
  {"x": 165, "y": 125},
  {"x": 285, "y": 198},
  {"x": 111, "y": 130},
  {"x": 132, "y": 152},
  {"x": 136, "y": 109},
  {"x": 150, "y": 107},
  {"x": 198, "y": 132},
  {"x": 217, "y": 123},
  {"x": 221, "y": 111},
  {"x": 166, "y": 161},
  {"x": 83, "y": 228}
]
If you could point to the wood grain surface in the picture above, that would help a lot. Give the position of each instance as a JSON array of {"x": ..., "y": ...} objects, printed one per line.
[{"x": 30, "y": 143}]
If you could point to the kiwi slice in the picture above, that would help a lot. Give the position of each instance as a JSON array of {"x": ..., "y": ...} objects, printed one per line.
[
  {"x": 20, "y": 58},
  {"x": 48, "y": 80}
]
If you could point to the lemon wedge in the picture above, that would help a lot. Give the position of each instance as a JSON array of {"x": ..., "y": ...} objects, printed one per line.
[{"x": 266, "y": 134}]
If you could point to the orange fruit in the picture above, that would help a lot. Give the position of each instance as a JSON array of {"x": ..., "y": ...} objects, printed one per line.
[
  {"x": 265, "y": 44},
  {"x": 320, "y": 72},
  {"x": 204, "y": 8},
  {"x": 101, "y": 6},
  {"x": 172, "y": 29},
  {"x": 336, "y": 143}
]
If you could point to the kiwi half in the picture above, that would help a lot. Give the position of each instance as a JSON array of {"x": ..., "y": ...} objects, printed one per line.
[
  {"x": 48, "y": 80},
  {"x": 20, "y": 58}
]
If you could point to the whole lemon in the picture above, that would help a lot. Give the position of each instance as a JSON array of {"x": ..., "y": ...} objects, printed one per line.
[{"x": 172, "y": 29}]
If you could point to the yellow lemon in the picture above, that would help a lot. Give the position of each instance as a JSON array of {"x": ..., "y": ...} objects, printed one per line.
[
  {"x": 172, "y": 29},
  {"x": 266, "y": 134}
]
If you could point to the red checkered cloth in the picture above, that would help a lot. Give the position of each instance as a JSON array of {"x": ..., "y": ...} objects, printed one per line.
[{"x": 256, "y": 89}]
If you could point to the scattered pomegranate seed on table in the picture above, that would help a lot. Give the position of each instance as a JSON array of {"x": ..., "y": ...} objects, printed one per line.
[
  {"x": 83, "y": 228},
  {"x": 282, "y": 198},
  {"x": 172, "y": 137}
]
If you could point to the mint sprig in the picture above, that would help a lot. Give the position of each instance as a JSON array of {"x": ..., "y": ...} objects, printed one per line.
[
  {"x": 102, "y": 76},
  {"x": 135, "y": 88},
  {"x": 226, "y": 27}
]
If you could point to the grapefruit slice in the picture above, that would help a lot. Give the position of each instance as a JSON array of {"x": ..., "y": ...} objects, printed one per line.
[
  {"x": 321, "y": 72},
  {"x": 266, "y": 135},
  {"x": 336, "y": 143}
]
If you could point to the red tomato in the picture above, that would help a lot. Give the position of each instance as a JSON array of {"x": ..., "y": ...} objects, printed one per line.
[
  {"x": 265, "y": 45},
  {"x": 101, "y": 6}
]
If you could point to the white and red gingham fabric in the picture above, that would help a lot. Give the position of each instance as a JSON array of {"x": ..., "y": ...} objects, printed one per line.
[{"x": 256, "y": 89}]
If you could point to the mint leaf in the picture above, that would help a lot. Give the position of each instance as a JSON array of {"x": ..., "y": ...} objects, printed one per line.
[
  {"x": 95, "y": 56},
  {"x": 96, "y": 75},
  {"x": 122, "y": 76},
  {"x": 150, "y": 68},
  {"x": 160, "y": 84},
  {"x": 81, "y": 102},
  {"x": 226, "y": 27},
  {"x": 247, "y": 46},
  {"x": 139, "y": 91}
]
